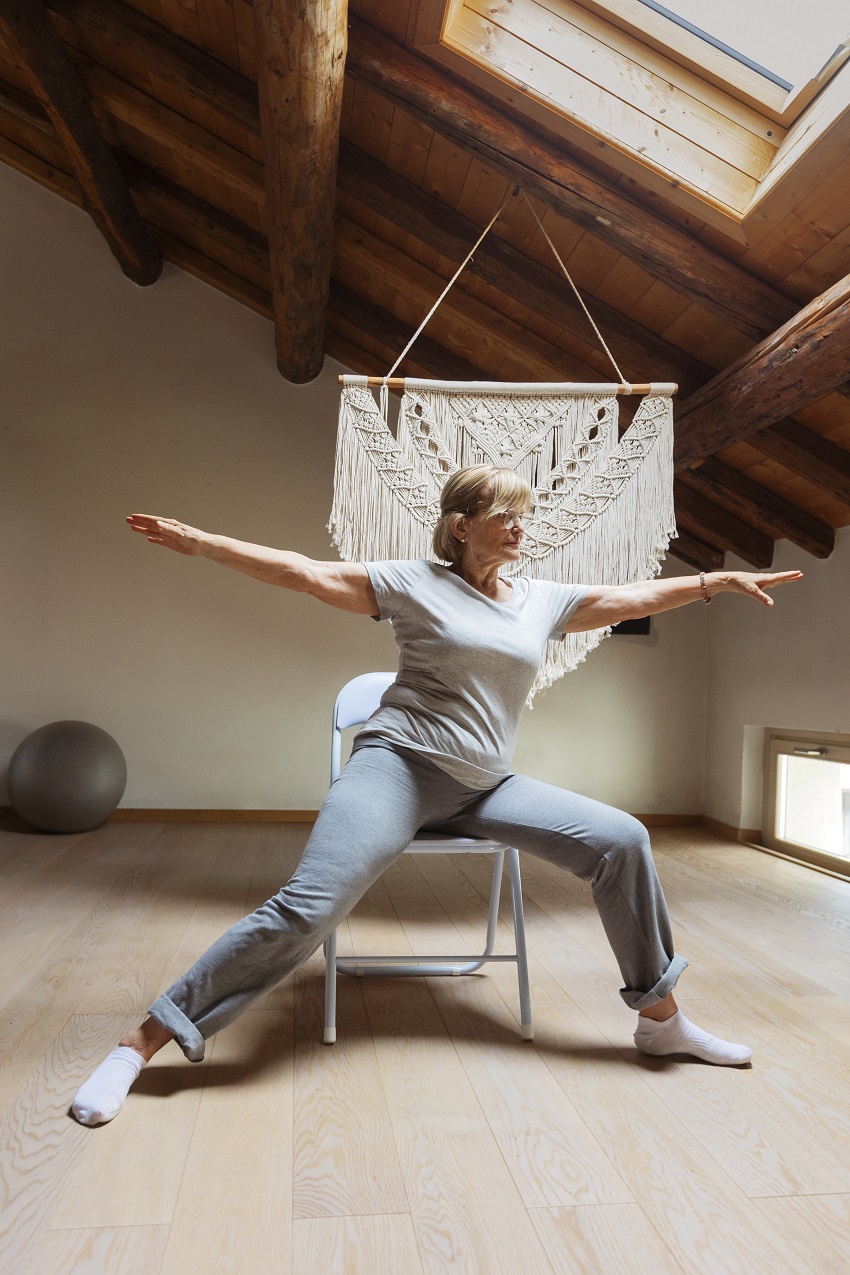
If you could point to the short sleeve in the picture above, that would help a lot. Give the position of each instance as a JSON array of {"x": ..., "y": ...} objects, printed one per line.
[
  {"x": 393, "y": 582},
  {"x": 562, "y": 600}
]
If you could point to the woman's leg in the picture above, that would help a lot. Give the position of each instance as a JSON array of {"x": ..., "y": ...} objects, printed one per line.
[
  {"x": 370, "y": 814},
  {"x": 611, "y": 850}
]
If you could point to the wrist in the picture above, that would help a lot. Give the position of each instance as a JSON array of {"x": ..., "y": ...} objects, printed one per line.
[
  {"x": 715, "y": 582},
  {"x": 209, "y": 546}
]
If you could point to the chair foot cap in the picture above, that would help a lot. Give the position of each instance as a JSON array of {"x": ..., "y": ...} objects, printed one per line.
[
  {"x": 330, "y": 1035},
  {"x": 527, "y": 1031}
]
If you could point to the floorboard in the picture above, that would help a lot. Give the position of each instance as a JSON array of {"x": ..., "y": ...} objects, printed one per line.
[{"x": 431, "y": 1138}]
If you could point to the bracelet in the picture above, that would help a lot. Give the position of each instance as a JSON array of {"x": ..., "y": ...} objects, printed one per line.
[{"x": 704, "y": 589}]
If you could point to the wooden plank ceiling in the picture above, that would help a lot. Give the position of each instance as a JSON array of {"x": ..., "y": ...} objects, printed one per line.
[{"x": 235, "y": 185}]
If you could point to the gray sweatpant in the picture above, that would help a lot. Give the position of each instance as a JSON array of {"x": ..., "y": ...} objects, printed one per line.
[{"x": 382, "y": 797}]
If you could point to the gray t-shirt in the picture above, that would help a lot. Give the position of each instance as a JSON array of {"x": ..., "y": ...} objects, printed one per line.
[{"x": 466, "y": 663}]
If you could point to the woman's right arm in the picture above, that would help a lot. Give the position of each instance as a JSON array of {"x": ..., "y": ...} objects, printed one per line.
[{"x": 345, "y": 585}]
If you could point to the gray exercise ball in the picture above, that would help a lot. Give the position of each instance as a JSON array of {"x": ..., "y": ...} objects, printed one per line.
[{"x": 67, "y": 777}]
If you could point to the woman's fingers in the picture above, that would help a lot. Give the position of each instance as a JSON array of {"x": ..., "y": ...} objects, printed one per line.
[
  {"x": 146, "y": 522},
  {"x": 754, "y": 583},
  {"x": 167, "y": 532}
]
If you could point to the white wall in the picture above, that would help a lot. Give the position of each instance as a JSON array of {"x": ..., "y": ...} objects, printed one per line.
[
  {"x": 117, "y": 399},
  {"x": 787, "y": 666}
]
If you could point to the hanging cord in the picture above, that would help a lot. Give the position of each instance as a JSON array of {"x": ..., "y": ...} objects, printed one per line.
[
  {"x": 384, "y": 392},
  {"x": 442, "y": 295},
  {"x": 620, "y": 376}
]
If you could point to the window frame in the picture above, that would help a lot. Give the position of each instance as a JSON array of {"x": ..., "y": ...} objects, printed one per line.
[
  {"x": 708, "y": 59},
  {"x": 784, "y": 742}
]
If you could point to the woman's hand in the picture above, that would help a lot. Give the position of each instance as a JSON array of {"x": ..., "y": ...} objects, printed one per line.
[
  {"x": 750, "y": 582},
  {"x": 169, "y": 532}
]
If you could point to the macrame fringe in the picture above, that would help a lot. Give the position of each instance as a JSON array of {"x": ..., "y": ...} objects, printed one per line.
[{"x": 604, "y": 509}]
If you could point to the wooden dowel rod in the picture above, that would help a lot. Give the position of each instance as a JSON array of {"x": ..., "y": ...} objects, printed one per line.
[{"x": 399, "y": 383}]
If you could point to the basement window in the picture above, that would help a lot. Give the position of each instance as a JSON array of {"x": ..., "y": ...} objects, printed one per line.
[{"x": 807, "y": 797}]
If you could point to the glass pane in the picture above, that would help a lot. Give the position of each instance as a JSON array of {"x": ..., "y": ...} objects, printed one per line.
[
  {"x": 813, "y": 804},
  {"x": 793, "y": 45}
]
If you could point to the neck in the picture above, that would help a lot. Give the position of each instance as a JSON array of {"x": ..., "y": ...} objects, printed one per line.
[{"x": 483, "y": 576}]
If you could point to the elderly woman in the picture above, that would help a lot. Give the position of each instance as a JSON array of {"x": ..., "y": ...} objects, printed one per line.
[{"x": 436, "y": 754}]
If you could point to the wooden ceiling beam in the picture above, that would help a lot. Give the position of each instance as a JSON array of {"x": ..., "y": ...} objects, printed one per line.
[
  {"x": 112, "y": 31},
  {"x": 796, "y": 365},
  {"x": 696, "y": 553},
  {"x": 708, "y": 521},
  {"x": 159, "y": 195},
  {"x": 113, "y": 98},
  {"x": 470, "y": 121},
  {"x": 761, "y": 507},
  {"x": 376, "y": 186},
  {"x": 300, "y": 71},
  {"x": 643, "y": 354},
  {"x": 808, "y": 454},
  {"x": 28, "y": 31}
]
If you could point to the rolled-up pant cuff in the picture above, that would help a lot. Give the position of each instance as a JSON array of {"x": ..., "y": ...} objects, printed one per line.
[
  {"x": 185, "y": 1032},
  {"x": 664, "y": 986}
]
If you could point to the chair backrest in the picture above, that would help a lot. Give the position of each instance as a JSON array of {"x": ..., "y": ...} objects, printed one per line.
[{"x": 356, "y": 702}]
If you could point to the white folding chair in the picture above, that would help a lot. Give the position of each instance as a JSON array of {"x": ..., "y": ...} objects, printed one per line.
[{"x": 356, "y": 702}]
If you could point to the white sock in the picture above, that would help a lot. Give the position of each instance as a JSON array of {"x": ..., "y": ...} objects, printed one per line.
[
  {"x": 102, "y": 1096},
  {"x": 678, "y": 1035}
]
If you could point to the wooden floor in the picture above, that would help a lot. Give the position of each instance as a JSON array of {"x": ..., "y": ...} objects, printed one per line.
[{"x": 430, "y": 1137}]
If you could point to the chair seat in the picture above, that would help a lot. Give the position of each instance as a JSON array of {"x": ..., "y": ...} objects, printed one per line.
[{"x": 436, "y": 842}]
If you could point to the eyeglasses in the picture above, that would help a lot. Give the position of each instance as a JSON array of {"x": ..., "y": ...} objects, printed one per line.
[{"x": 510, "y": 519}]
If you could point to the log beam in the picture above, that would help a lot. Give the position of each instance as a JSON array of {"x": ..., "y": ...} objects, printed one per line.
[
  {"x": 696, "y": 553},
  {"x": 808, "y": 454},
  {"x": 455, "y": 111},
  {"x": 300, "y": 67},
  {"x": 701, "y": 517},
  {"x": 761, "y": 507},
  {"x": 111, "y": 31},
  {"x": 506, "y": 146},
  {"x": 796, "y": 365},
  {"x": 28, "y": 31},
  {"x": 638, "y": 350}
]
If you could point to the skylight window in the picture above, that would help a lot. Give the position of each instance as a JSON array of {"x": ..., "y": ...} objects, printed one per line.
[{"x": 789, "y": 50}]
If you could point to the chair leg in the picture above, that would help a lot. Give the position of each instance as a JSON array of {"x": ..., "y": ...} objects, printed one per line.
[
  {"x": 495, "y": 896},
  {"x": 519, "y": 936},
  {"x": 330, "y": 988}
]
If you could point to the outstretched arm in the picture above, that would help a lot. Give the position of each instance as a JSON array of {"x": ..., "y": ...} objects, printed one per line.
[
  {"x": 345, "y": 585},
  {"x": 609, "y": 604}
]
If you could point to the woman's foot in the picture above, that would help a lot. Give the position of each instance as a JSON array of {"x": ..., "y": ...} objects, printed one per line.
[
  {"x": 678, "y": 1035},
  {"x": 102, "y": 1096}
]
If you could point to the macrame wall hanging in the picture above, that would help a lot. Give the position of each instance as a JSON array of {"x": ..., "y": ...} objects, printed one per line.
[{"x": 603, "y": 505}]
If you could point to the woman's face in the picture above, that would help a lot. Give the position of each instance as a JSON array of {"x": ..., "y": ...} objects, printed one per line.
[{"x": 491, "y": 540}]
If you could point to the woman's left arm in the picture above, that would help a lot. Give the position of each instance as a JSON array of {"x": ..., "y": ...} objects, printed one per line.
[{"x": 609, "y": 604}]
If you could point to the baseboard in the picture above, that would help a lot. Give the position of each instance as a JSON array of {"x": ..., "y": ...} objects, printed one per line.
[
  {"x": 729, "y": 831},
  {"x": 127, "y": 814},
  {"x": 146, "y": 814},
  {"x": 669, "y": 821}
]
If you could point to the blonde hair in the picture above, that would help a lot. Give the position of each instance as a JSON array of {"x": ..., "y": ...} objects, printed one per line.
[{"x": 487, "y": 489}]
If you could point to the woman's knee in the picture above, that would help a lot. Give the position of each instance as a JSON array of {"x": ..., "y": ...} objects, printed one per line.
[
  {"x": 307, "y": 913},
  {"x": 628, "y": 840}
]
